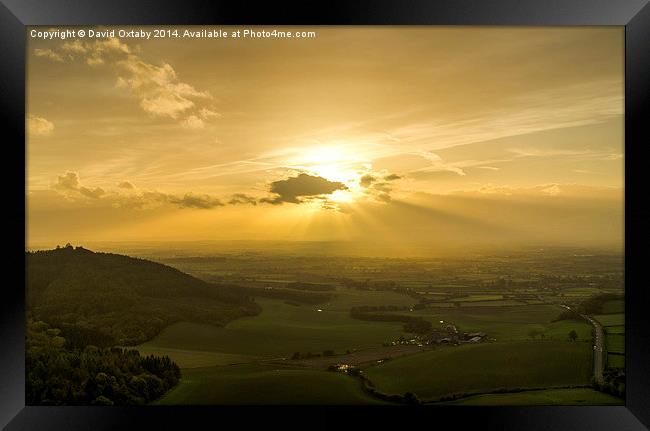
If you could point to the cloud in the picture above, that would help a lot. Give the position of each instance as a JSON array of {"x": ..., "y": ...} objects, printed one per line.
[
  {"x": 240, "y": 198},
  {"x": 366, "y": 180},
  {"x": 206, "y": 113},
  {"x": 95, "y": 193},
  {"x": 158, "y": 87},
  {"x": 552, "y": 190},
  {"x": 159, "y": 90},
  {"x": 383, "y": 187},
  {"x": 68, "y": 181},
  {"x": 126, "y": 196},
  {"x": 74, "y": 47},
  {"x": 392, "y": 177},
  {"x": 144, "y": 200},
  {"x": 39, "y": 125},
  {"x": 155, "y": 199},
  {"x": 49, "y": 54},
  {"x": 193, "y": 122},
  {"x": 302, "y": 186},
  {"x": 196, "y": 201},
  {"x": 126, "y": 185},
  {"x": 384, "y": 197}
]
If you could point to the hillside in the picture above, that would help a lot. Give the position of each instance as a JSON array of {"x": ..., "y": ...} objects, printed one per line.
[{"x": 127, "y": 299}]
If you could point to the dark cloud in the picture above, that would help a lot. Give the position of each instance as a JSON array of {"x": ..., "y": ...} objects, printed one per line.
[
  {"x": 195, "y": 201},
  {"x": 126, "y": 185},
  {"x": 95, "y": 193},
  {"x": 302, "y": 186},
  {"x": 383, "y": 187},
  {"x": 367, "y": 180},
  {"x": 272, "y": 201},
  {"x": 143, "y": 200},
  {"x": 384, "y": 197},
  {"x": 69, "y": 181},
  {"x": 240, "y": 198},
  {"x": 392, "y": 177}
]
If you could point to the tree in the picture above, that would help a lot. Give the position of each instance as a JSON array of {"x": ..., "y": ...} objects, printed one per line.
[
  {"x": 411, "y": 398},
  {"x": 102, "y": 401},
  {"x": 573, "y": 335}
]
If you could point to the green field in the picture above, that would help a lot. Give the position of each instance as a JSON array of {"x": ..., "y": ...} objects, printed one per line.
[
  {"x": 615, "y": 343},
  {"x": 259, "y": 384},
  {"x": 619, "y": 329},
  {"x": 348, "y": 298},
  {"x": 509, "y": 323},
  {"x": 194, "y": 358},
  {"x": 473, "y": 298},
  {"x": 485, "y": 367},
  {"x": 492, "y": 303},
  {"x": 578, "y": 396},
  {"x": 581, "y": 291},
  {"x": 279, "y": 331},
  {"x": 616, "y": 361},
  {"x": 614, "y": 306},
  {"x": 611, "y": 319}
]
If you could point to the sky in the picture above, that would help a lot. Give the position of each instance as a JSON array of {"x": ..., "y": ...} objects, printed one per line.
[{"x": 441, "y": 135}]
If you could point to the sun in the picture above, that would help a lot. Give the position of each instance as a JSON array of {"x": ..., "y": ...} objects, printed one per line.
[
  {"x": 330, "y": 162},
  {"x": 334, "y": 163}
]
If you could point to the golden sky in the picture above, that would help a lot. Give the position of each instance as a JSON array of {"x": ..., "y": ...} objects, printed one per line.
[{"x": 409, "y": 134}]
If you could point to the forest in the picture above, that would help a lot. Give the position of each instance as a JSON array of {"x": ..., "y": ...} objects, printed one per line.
[
  {"x": 60, "y": 372},
  {"x": 129, "y": 300}
]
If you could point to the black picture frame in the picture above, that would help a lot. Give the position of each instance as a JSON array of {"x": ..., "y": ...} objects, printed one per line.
[{"x": 633, "y": 14}]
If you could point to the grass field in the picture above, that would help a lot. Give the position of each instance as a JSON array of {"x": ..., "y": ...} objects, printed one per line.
[
  {"x": 492, "y": 303},
  {"x": 220, "y": 365},
  {"x": 611, "y": 319},
  {"x": 581, "y": 291},
  {"x": 347, "y": 298},
  {"x": 615, "y": 343},
  {"x": 619, "y": 329},
  {"x": 485, "y": 367},
  {"x": 279, "y": 331},
  {"x": 616, "y": 361},
  {"x": 194, "y": 358},
  {"x": 259, "y": 384},
  {"x": 614, "y": 306},
  {"x": 509, "y": 323},
  {"x": 578, "y": 396},
  {"x": 474, "y": 298}
]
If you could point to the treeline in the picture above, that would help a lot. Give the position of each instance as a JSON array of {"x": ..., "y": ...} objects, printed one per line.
[
  {"x": 309, "y": 355},
  {"x": 594, "y": 305},
  {"x": 297, "y": 296},
  {"x": 299, "y": 285},
  {"x": 129, "y": 300},
  {"x": 412, "y": 324},
  {"x": 591, "y": 306},
  {"x": 613, "y": 382},
  {"x": 59, "y": 375},
  {"x": 567, "y": 315},
  {"x": 384, "y": 285},
  {"x": 369, "y": 387}
]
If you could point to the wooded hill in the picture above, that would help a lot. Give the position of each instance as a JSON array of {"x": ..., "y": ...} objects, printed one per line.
[{"x": 126, "y": 299}]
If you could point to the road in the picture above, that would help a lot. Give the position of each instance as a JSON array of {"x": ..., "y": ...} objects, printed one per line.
[{"x": 599, "y": 339}]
